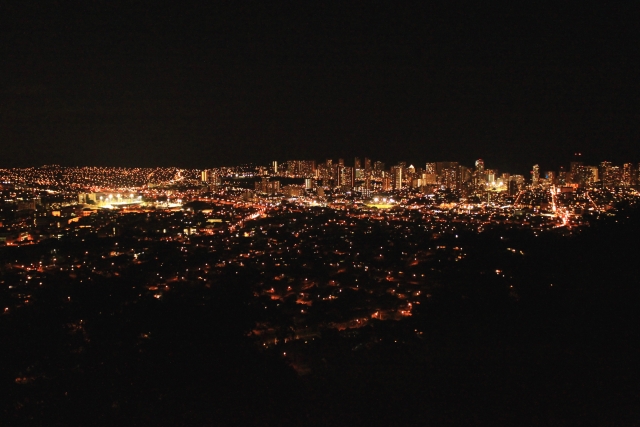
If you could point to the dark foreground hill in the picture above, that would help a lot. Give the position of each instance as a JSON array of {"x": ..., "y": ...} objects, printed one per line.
[{"x": 565, "y": 354}]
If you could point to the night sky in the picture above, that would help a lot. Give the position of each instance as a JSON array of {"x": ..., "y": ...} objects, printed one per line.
[{"x": 222, "y": 83}]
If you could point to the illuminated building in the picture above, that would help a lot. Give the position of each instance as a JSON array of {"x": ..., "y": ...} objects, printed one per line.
[
  {"x": 307, "y": 168},
  {"x": 301, "y": 168},
  {"x": 396, "y": 172},
  {"x": 550, "y": 177},
  {"x": 308, "y": 183},
  {"x": 356, "y": 163},
  {"x": 441, "y": 166},
  {"x": 535, "y": 175},
  {"x": 386, "y": 183},
  {"x": 204, "y": 176},
  {"x": 561, "y": 179},
  {"x": 628, "y": 175},
  {"x": 611, "y": 175},
  {"x": 574, "y": 174},
  {"x": 429, "y": 178},
  {"x": 465, "y": 174},
  {"x": 516, "y": 183},
  {"x": 367, "y": 164},
  {"x": 479, "y": 176},
  {"x": 449, "y": 178},
  {"x": 293, "y": 191},
  {"x": 347, "y": 177},
  {"x": 430, "y": 168},
  {"x": 267, "y": 186}
]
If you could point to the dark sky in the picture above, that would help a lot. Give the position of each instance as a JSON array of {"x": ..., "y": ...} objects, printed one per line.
[{"x": 220, "y": 83}]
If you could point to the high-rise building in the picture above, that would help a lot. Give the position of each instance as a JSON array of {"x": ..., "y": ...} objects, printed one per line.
[
  {"x": 516, "y": 183},
  {"x": 335, "y": 174},
  {"x": 479, "y": 177},
  {"x": 356, "y": 163},
  {"x": 535, "y": 175},
  {"x": 367, "y": 184},
  {"x": 491, "y": 175},
  {"x": 308, "y": 183},
  {"x": 409, "y": 173},
  {"x": 561, "y": 178},
  {"x": 609, "y": 174},
  {"x": 429, "y": 178},
  {"x": 301, "y": 168},
  {"x": 589, "y": 174},
  {"x": 386, "y": 183},
  {"x": 266, "y": 186},
  {"x": 378, "y": 169},
  {"x": 441, "y": 166},
  {"x": 347, "y": 177},
  {"x": 204, "y": 176},
  {"x": 367, "y": 164},
  {"x": 465, "y": 175},
  {"x": 450, "y": 178},
  {"x": 574, "y": 170},
  {"x": 431, "y": 169},
  {"x": 550, "y": 177},
  {"x": 396, "y": 172},
  {"x": 628, "y": 175}
]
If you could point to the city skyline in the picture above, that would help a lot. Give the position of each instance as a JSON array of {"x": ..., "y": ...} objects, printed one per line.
[
  {"x": 353, "y": 162},
  {"x": 319, "y": 213}
]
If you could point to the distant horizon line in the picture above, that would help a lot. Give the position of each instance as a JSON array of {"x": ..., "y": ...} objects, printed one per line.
[{"x": 255, "y": 164}]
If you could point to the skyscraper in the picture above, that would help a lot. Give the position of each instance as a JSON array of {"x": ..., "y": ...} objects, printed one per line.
[
  {"x": 535, "y": 175},
  {"x": 628, "y": 175},
  {"x": 347, "y": 177},
  {"x": 367, "y": 164},
  {"x": 449, "y": 178},
  {"x": 396, "y": 172},
  {"x": 386, "y": 183}
]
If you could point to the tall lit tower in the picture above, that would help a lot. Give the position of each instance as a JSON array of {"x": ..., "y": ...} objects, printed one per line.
[
  {"x": 367, "y": 164},
  {"x": 397, "y": 177},
  {"x": 480, "y": 166},
  {"x": 535, "y": 175},
  {"x": 628, "y": 175}
]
